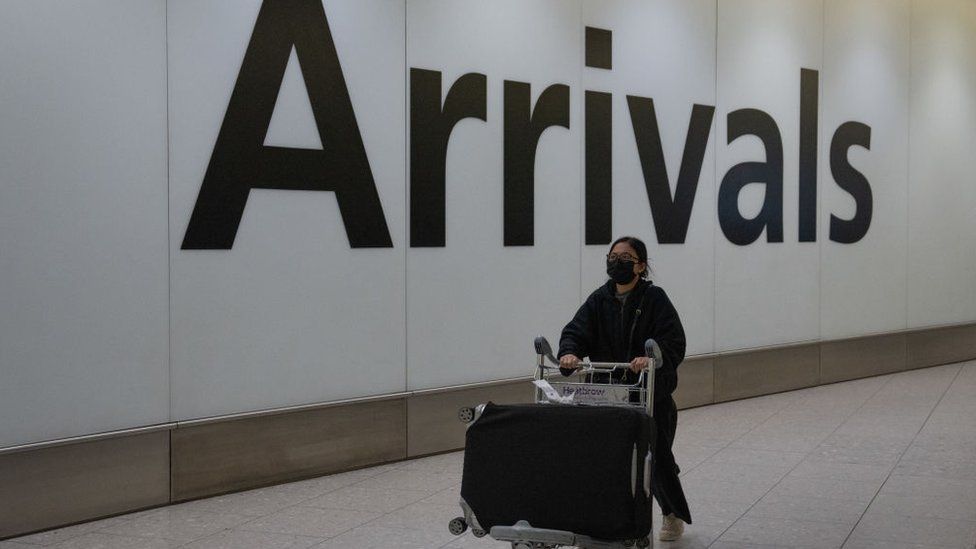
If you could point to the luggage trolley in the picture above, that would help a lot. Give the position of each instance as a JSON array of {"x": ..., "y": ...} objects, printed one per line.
[{"x": 592, "y": 384}]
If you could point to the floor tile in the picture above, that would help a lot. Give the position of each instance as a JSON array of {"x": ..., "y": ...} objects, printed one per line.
[
  {"x": 920, "y": 530},
  {"x": 240, "y": 539},
  {"x": 901, "y": 485},
  {"x": 52, "y": 537},
  {"x": 794, "y": 487},
  {"x": 712, "y": 508},
  {"x": 314, "y": 487},
  {"x": 841, "y": 471},
  {"x": 310, "y": 521},
  {"x": 759, "y": 472},
  {"x": 689, "y": 456},
  {"x": 59, "y": 535},
  {"x": 724, "y": 490},
  {"x": 449, "y": 496},
  {"x": 842, "y": 511},
  {"x": 253, "y": 503},
  {"x": 382, "y": 537},
  {"x": 781, "y": 440},
  {"x": 921, "y": 453},
  {"x": 421, "y": 481},
  {"x": 468, "y": 541},
  {"x": 421, "y": 516},
  {"x": 864, "y": 543},
  {"x": 442, "y": 463},
  {"x": 787, "y": 533},
  {"x": 925, "y": 506},
  {"x": 708, "y": 522},
  {"x": 98, "y": 540},
  {"x": 176, "y": 523},
  {"x": 363, "y": 498},
  {"x": 961, "y": 469},
  {"x": 738, "y": 545},
  {"x": 861, "y": 450},
  {"x": 750, "y": 456}
]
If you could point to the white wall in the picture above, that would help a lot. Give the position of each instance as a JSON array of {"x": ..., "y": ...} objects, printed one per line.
[
  {"x": 83, "y": 265},
  {"x": 474, "y": 305},
  {"x": 866, "y": 66},
  {"x": 942, "y": 166},
  {"x": 291, "y": 314},
  {"x": 766, "y": 293},
  {"x": 664, "y": 50},
  {"x": 109, "y": 112}
]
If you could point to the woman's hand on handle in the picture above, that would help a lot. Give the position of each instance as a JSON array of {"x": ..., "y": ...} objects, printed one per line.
[
  {"x": 568, "y": 363},
  {"x": 638, "y": 364}
]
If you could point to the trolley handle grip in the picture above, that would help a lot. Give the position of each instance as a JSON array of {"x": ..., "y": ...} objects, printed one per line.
[
  {"x": 653, "y": 352},
  {"x": 654, "y": 355}
]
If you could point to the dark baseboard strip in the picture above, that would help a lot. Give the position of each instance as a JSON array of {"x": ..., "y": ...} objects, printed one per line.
[
  {"x": 236, "y": 455},
  {"x": 46, "y": 488}
]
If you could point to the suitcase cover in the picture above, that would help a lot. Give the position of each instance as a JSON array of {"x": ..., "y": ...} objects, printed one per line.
[{"x": 559, "y": 467}]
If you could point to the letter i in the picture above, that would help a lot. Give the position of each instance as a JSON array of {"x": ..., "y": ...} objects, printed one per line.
[{"x": 598, "y": 142}]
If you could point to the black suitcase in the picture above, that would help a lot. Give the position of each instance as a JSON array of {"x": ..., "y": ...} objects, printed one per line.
[{"x": 564, "y": 468}]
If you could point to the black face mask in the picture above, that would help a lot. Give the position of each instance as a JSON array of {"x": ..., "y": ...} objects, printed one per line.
[{"x": 621, "y": 272}]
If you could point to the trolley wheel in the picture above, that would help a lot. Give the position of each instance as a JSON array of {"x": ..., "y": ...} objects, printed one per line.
[
  {"x": 457, "y": 526},
  {"x": 478, "y": 532},
  {"x": 466, "y": 414}
]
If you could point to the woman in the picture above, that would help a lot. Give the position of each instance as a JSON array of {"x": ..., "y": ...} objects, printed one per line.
[{"x": 612, "y": 326}]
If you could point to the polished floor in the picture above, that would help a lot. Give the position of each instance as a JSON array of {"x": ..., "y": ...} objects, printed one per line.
[{"x": 884, "y": 462}]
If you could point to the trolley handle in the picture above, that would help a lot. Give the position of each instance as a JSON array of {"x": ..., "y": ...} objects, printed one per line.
[
  {"x": 544, "y": 351},
  {"x": 593, "y": 366}
]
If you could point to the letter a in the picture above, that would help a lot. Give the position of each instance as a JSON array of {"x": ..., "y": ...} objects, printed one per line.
[{"x": 240, "y": 161}]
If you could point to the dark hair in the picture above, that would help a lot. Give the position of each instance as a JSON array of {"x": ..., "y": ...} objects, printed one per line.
[{"x": 639, "y": 247}]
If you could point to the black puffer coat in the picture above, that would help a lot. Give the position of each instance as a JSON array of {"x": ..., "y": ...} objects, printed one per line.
[{"x": 605, "y": 331}]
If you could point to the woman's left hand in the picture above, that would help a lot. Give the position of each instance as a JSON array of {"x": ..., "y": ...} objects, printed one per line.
[{"x": 638, "y": 364}]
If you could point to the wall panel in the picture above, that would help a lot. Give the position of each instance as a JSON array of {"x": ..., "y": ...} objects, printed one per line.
[
  {"x": 474, "y": 304},
  {"x": 865, "y": 80},
  {"x": 291, "y": 314},
  {"x": 83, "y": 276},
  {"x": 766, "y": 292},
  {"x": 942, "y": 195},
  {"x": 665, "y": 51}
]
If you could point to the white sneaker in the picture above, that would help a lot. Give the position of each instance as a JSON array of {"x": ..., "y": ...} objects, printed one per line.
[{"x": 671, "y": 528}]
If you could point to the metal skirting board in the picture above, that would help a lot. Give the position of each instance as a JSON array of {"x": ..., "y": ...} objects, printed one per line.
[{"x": 53, "y": 484}]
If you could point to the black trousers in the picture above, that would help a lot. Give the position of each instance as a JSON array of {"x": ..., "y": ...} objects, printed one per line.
[{"x": 665, "y": 484}]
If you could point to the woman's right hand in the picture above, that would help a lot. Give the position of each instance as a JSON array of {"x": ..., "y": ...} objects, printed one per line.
[{"x": 569, "y": 362}]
